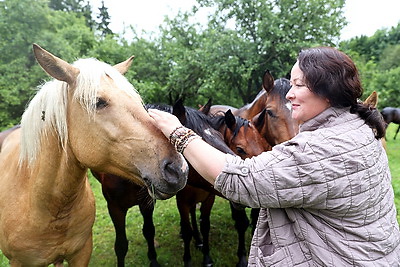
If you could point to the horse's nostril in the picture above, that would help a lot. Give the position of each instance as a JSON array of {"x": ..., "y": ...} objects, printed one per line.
[
  {"x": 174, "y": 175},
  {"x": 171, "y": 172}
]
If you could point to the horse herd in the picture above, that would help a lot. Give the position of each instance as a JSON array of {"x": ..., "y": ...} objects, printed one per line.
[{"x": 78, "y": 122}]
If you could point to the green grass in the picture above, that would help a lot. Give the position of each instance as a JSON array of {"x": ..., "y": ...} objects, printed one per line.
[{"x": 223, "y": 237}]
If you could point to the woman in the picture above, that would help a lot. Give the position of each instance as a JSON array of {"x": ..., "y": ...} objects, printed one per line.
[{"x": 326, "y": 194}]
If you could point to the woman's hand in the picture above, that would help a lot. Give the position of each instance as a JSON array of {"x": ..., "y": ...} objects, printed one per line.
[{"x": 165, "y": 121}]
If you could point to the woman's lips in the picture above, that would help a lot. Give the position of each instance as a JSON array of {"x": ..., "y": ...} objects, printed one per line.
[{"x": 295, "y": 106}]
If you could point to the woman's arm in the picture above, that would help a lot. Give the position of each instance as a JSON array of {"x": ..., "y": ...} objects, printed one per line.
[{"x": 205, "y": 159}]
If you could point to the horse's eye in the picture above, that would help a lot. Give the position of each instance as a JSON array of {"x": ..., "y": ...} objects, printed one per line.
[
  {"x": 101, "y": 103},
  {"x": 240, "y": 151},
  {"x": 271, "y": 113}
]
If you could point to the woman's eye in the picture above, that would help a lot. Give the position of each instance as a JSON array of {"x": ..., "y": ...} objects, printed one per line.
[{"x": 101, "y": 103}]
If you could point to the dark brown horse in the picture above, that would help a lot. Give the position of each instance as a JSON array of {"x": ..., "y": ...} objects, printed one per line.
[{"x": 391, "y": 115}]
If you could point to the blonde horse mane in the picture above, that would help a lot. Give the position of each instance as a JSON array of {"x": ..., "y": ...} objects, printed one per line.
[{"x": 47, "y": 111}]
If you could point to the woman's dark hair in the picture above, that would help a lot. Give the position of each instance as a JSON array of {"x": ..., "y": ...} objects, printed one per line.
[{"x": 331, "y": 74}]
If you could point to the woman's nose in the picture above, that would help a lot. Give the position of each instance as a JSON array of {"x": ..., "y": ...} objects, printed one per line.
[{"x": 290, "y": 94}]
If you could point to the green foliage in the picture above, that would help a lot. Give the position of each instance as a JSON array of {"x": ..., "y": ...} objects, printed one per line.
[
  {"x": 268, "y": 34},
  {"x": 377, "y": 58},
  {"x": 23, "y": 22},
  {"x": 390, "y": 57}
]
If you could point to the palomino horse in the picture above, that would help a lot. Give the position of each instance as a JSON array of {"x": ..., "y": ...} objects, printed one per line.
[
  {"x": 392, "y": 115},
  {"x": 89, "y": 116}
]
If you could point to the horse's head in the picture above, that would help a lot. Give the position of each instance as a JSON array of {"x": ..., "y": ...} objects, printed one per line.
[
  {"x": 276, "y": 123},
  {"x": 102, "y": 124},
  {"x": 242, "y": 136}
]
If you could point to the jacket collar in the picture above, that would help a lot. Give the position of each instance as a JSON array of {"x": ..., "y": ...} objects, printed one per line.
[{"x": 326, "y": 118}]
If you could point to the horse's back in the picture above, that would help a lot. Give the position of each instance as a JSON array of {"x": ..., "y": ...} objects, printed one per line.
[{"x": 391, "y": 114}]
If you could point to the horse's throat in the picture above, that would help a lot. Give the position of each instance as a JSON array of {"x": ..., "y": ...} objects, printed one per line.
[{"x": 58, "y": 187}]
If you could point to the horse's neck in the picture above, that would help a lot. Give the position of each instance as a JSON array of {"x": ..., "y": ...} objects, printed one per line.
[{"x": 58, "y": 182}]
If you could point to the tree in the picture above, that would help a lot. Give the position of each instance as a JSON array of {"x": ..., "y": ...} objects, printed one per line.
[
  {"x": 76, "y": 6},
  {"x": 22, "y": 23},
  {"x": 377, "y": 58},
  {"x": 104, "y": 18},
  {"x": 222, "y": 61}
]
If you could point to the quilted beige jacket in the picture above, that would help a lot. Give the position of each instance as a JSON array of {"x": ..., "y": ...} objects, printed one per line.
[{"x": 326, "y": 197}]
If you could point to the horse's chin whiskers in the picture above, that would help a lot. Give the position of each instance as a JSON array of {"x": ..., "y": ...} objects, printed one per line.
[{"x": 289, "y": 106}]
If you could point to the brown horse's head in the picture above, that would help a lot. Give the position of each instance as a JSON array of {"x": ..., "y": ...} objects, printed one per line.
[
  {"x": 100, "y": 122},
  {"x": 242, "y": 136},
  {"x": 276, "y": 123}
]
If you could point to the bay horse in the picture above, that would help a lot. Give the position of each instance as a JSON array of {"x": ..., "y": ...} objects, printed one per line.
[
  {"x": 392, "y": 115},
  {"x": 88, "y": 116},
  {"x": 276, "y": 123}
]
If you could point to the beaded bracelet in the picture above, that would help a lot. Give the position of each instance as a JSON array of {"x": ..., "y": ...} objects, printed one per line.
[{"x": 181, "y": 136}]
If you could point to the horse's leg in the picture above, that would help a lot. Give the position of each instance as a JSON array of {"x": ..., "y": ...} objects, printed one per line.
[
  {"x": 205, "y": 212},
  {"x": 195, "y": 230},
  {"x": 147, "y": 209},
  {"x": 118, "y": 216},
  {"x": 186, "y": 229},
  {"x": 241, "y": 224},
  {"x": 254, "y": 218},
  {"x": 82, "y": 258},
  {"x": 398, "y": 128}
]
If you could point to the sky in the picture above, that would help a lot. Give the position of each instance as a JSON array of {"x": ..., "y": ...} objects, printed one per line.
[{"x": 364, "y": 16}]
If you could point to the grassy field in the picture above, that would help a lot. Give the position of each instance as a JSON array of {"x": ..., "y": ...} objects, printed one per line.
[{"x": 223, "y": 236}]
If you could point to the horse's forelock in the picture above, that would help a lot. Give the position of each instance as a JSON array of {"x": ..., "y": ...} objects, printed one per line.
[
  {"x": 281, "y": 87},
  {"x": 88, "y": 83}
]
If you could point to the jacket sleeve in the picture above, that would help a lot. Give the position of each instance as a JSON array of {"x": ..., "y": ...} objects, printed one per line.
[{"x": 293, "y": 175}]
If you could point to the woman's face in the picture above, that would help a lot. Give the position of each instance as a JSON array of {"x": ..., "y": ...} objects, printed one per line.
[{"x": 305, "y": 104}]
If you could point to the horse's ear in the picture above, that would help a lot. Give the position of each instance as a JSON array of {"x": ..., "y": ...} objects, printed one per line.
[
  {"x": 268, "y": 81},
  {"x": 206, "y": 108},
  {"x": 124, "y": 66},
  {"x": 230, "y": 119},
  {"x": 179, "y": 111},
  {"x": 54, "y": 66},
  {"x": 259, "y": 119},
  {"x": 372, "y": 99}
]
